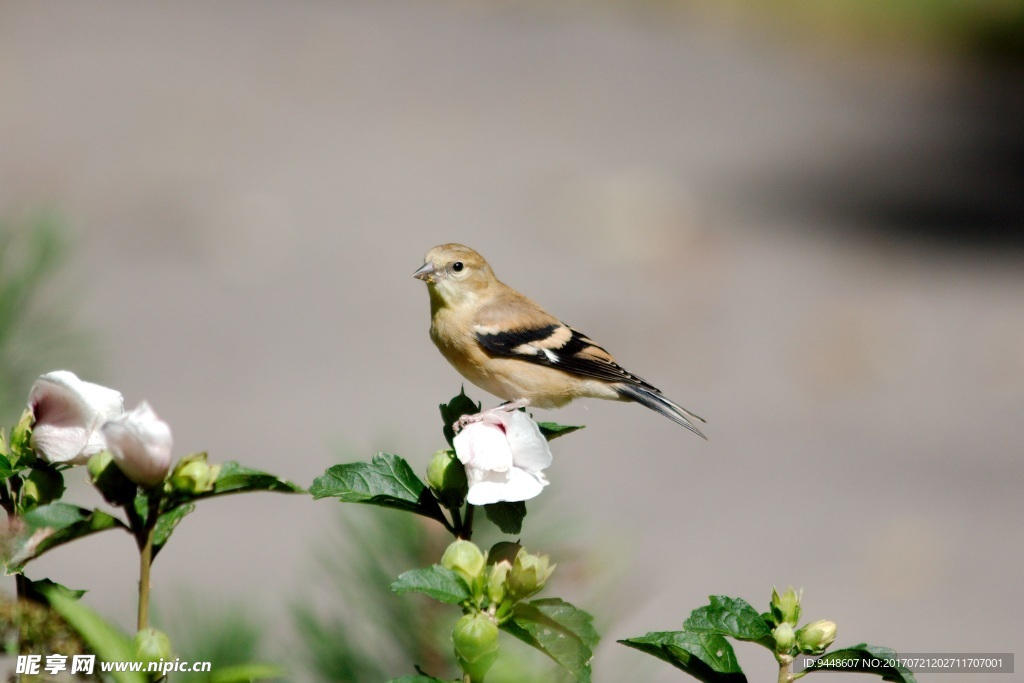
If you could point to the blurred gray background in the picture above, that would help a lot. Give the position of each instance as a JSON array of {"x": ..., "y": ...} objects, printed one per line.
[{"x": 809, "y": 236}]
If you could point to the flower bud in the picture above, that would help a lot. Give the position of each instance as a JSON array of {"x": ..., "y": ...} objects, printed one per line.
[
  {"x": 465, "y": 559},
  {"x": 42, "y": 485},
  {"x": 528, "y": 574},
  {"x": 109, "y": 480},
  {"x": 141, "y": 445},
  {"x": 786, "y": 608},
  {"x": 784, "y": 638},
  {"x": 152, "y": 645},
  {"x": 476, "y": 644},
  {"x": 816, "y": 636},
  {"x": 447, "y": 478},
  {"x": 497, "y": 587},
  {"x": 194, "y": 475}
]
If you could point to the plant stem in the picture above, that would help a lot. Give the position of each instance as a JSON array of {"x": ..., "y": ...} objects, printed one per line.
[
  {"x": 466, "y": 678},
  {"x": 785, "y": 668},
  {"x": 145, "y": 562},
  {"x": 466, "y": 530}
]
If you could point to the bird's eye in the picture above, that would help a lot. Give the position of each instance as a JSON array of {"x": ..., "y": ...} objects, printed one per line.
[{"x": 457, "y": 266}]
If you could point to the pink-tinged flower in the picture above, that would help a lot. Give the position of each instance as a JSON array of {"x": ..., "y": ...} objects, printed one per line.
[
  {"x": 68, "y": 416},
  {"x": 140, "y": 443},
  {"x": 505, "y": 455}
]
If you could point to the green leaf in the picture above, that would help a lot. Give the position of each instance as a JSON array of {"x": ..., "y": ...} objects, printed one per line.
[
  {"x": 858, "y": 659},
  {"x": 730, "y": 617},
  {"x": 418, "y": 678},
  {"x": 244, "y": 673},
  {"x": 559, "y": 630},
  {"x": 166, "y": 523},
  {"x": 37, "y": 590},
  {"x": 387, "y": 481},
  {"x": 553, "y": 430},
  {"x": 707, "y": 657},
  {"x": 438, "y": 582},
  {"x": 105, "y": 640},
  {"x": 49, "y": 526},
  {"x": 507, "y": 516},
  {"x": 234, "y": 478},
  {"x": 5, "y": 464},
  {"x": 453, "y": 410}
]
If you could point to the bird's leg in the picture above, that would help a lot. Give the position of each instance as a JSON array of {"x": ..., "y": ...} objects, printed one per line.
[{"x": 505, "y": 407}]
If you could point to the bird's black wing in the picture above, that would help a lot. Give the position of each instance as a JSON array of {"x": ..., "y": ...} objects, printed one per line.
[{"x": 557, "y": 346}]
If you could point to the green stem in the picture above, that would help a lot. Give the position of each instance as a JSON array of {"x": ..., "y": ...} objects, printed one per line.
[
  {"x": 466, "y": 530},
  {"x": 145, "y": 563},
  {"x": 466, "y": 678}
]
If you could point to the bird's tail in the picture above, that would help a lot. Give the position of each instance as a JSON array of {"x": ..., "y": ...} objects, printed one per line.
[{"x": 659, "y": 403}]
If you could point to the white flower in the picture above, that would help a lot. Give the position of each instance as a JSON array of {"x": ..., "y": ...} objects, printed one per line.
[
  {"x": 140, "y": 443},
  {"x": 504, "y": 454},
  {"x": 68, "y": 416}
]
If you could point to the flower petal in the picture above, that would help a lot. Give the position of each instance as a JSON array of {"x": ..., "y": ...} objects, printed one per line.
[
  {"x": 140, "y": 443},
  {"x": 482, "y": 445},
  {"x": 68, "y": 414},
  {"x": 530, "y": 450},
  {"x": 519, "y": 485}
]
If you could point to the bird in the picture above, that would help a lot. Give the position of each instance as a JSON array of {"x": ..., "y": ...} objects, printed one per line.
[{"x": 506, "y": 344}]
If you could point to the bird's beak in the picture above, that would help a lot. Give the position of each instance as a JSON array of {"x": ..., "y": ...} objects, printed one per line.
[{"x": 425, "y": 272}]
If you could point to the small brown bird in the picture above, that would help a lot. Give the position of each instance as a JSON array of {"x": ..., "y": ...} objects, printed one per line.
[{"x": 508, "y": 345}]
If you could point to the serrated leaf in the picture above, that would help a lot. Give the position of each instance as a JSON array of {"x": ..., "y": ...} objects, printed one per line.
[
  {"x": 438, "y": 582},
  {"x": 49, "y": 526},
  {"x": 234, "y": 478},
  {"x": 166, "y": 523},
  {"x": 105, "y": 640},
  {"x": 859, "y": 658},
  {"x": 507, "y": 516},
  {"x": 387, "y": 481},
  {"x": 553, "y": 430},
  {"x": 559, "y": 630},
  {"x": 707, "y": 657},
  {"x": 245, "y": 673},
  {"x": 729, "y": 617},
  {"x": 453, "y": 410}
]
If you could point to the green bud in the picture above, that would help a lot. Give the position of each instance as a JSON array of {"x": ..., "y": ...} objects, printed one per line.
[
  {"x": 786, "y": 608},
  {"x": 21, "y": 440},
  {"x": 497, "y": 587},
  {"x": 465, "y": 559},
  {"x": 446, "y": 476},
  {"x": 193, "y": 475},
  {"x": 152, "y": 645},
  {"x": 784, "y": 638},
  {"x": 42, "y": 485},
  {"x": 109, "y": 480},
  {"x": 528, "y": 574},
  {"x": 816, "y": 636},
  {"x": 475, "y": 637}
]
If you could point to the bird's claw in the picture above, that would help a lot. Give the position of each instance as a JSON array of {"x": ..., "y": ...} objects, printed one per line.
[{"x": 507, "y": 407}]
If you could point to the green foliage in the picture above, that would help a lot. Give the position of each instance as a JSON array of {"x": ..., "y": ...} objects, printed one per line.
[
  {"x": 733, "y": 617},
  {"x": 559, "y": 630},
  {"x": 387, "y": 481},
  {"x": 52, "y": 525},
  {"x": 705, "y": 656},
  {"x": 863, "y": 658},
  {"x": 109, "y": 643},
  {"x": 701, "y": 648},
  {"x": 507, "y": 516},
  {"x": 440, "y": 583}
]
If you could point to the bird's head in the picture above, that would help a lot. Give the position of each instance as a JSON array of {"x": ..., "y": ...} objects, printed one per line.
[{"x": 454, "y": 272}]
